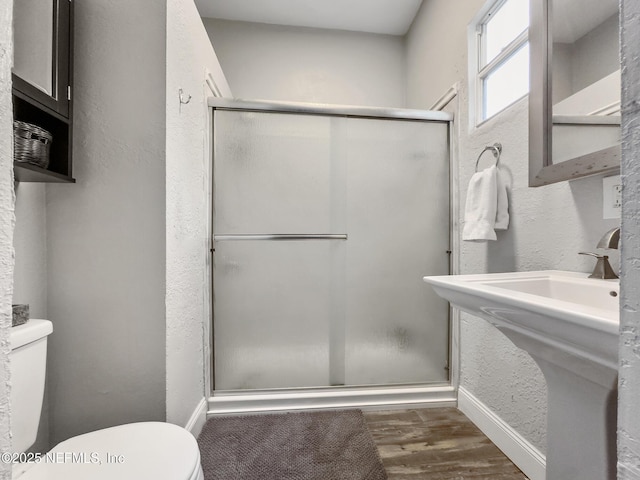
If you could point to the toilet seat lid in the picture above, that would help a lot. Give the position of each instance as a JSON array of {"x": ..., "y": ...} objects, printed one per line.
[{"x": 137, "y": 450}]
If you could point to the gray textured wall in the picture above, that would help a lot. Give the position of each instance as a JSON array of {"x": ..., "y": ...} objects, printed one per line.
[
  {"x": 102, "y": 238},
  {"x": 29, "y": 240},
  {"x": 436, "y": 49},
  {"x": 106, "y": 233},
  {"x": 549, "y": 225},
  {"x": 629, "y": 374},
  {"x": 294, "y": 64},
  {"x": 6, "y": 226},
  {"x": 189, "y": 54}
]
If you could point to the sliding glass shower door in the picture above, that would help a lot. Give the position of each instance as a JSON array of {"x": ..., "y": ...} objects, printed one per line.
[{"x": 323, "y": 229}]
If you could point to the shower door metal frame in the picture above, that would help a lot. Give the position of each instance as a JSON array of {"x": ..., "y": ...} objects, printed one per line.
[{"x": 374, "y": 396}]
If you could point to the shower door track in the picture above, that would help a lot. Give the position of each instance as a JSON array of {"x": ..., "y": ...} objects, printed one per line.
[
  {"x": 279, "y": 237},
  {"x": 374, "y": 398},
  {"x": 233, "y": 402},
  {"x": 330, "y": 110}
]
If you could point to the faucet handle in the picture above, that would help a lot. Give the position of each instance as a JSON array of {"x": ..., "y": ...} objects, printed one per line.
[
  {"x": 597, "y": 255},
  {"x": 603, "y": 267}
]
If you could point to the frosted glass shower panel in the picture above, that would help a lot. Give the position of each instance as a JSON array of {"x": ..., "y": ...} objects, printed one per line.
[
  {"x": 272, "y": 313},
  {"x": 398, "y": 215},
  {"x": 308, "y": 312},
  {"x": 278, "y": 173}
]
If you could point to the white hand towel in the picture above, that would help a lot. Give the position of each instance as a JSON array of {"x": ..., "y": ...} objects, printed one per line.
[
  {"x": 481, "y": 206},
  {"x": 502, "y": 208}
]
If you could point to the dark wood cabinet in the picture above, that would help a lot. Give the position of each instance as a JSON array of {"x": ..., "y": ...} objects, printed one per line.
[{"x": 50, "y": 108}]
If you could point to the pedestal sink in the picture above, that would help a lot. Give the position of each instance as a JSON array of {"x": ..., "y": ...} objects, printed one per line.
[{"x": 569, "y": 324}]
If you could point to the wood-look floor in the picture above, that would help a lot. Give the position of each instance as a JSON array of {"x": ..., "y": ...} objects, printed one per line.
[{"x": 436, "y": 444}]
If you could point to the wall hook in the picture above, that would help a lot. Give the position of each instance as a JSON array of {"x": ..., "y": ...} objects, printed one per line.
[{"x": 184, "y": 99}]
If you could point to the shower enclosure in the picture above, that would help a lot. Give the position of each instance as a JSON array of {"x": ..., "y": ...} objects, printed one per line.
[{"x": 325, "y": 220}]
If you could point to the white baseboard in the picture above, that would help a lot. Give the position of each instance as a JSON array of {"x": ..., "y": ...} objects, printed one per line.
[
  {"x": 198, "y": 418},
  {"x": 527, "y": 457}
]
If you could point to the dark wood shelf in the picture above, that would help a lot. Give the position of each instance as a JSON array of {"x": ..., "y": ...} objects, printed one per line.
[
  {"x": 25, "y": 172},
  {"x": 17, "y": 92},
  {"x": 29, "y": 110}
]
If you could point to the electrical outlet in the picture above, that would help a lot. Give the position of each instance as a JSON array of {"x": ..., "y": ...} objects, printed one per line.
[
  {"x": 611, "y": 197},
  {"x": 617, "y": 196}
]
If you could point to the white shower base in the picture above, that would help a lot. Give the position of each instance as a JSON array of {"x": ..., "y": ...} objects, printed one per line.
[{"x": 387, "y": 397}]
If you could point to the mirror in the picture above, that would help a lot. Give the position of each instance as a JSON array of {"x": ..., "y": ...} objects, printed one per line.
[
  {"x": 33, "y": 43},
  {"x": 574, "y": 104},
  {"x": 42, "y": 53}
]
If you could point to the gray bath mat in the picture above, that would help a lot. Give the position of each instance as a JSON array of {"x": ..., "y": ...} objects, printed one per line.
[{"x": 332, "y": 445}]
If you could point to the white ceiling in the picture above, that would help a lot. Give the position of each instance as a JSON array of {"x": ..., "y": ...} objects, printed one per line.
[{"x": 392, "y": 17}]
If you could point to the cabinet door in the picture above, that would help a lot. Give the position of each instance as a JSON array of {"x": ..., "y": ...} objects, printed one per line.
[{"x": 42, "y": 52}]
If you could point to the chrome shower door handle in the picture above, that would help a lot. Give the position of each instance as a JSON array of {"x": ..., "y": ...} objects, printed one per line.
[{"x": 280, "y": 237}]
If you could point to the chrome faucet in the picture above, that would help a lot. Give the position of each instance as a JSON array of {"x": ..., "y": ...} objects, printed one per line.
[
  {"x": 603, "y": 269},
  {"x": 611, "y": 239}
]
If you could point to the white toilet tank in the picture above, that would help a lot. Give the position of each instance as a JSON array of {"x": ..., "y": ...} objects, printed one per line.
[{"x": 28, "y": 368}]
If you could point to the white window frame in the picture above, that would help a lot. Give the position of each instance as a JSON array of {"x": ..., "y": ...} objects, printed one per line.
[{"x": 477, "y": 48}]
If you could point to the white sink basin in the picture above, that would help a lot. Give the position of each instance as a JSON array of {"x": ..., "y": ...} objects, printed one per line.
[
  {"x": 575, "y": 288},
  {"x": 575, "y": 314},
  {"x": 569, "y": 324}
]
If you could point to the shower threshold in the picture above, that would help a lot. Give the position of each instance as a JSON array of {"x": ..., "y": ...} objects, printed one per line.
[{"x": 366, "y": 397}]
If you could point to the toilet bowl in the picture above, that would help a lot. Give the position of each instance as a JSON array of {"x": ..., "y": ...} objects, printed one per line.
[
  {"x": 156, "y": 450},
  {"x": 133, "y": 451}
]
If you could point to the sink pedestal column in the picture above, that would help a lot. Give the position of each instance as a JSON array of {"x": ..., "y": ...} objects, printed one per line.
[
  {"x": 581, "y": 408},
  {"x": 581, "y": 419}
]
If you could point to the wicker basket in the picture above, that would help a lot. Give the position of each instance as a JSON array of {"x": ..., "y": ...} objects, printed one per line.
[{"x": 31, "y": 144}]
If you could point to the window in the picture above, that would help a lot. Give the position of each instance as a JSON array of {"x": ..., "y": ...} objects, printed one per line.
[{"x": 499, "y": 53}]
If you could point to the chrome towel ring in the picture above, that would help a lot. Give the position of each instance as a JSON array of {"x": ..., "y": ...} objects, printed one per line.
[{"x": 497, "y": 150}]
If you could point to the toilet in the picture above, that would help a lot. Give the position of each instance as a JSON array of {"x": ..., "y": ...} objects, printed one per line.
[{"x": 157, "y": 450}]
